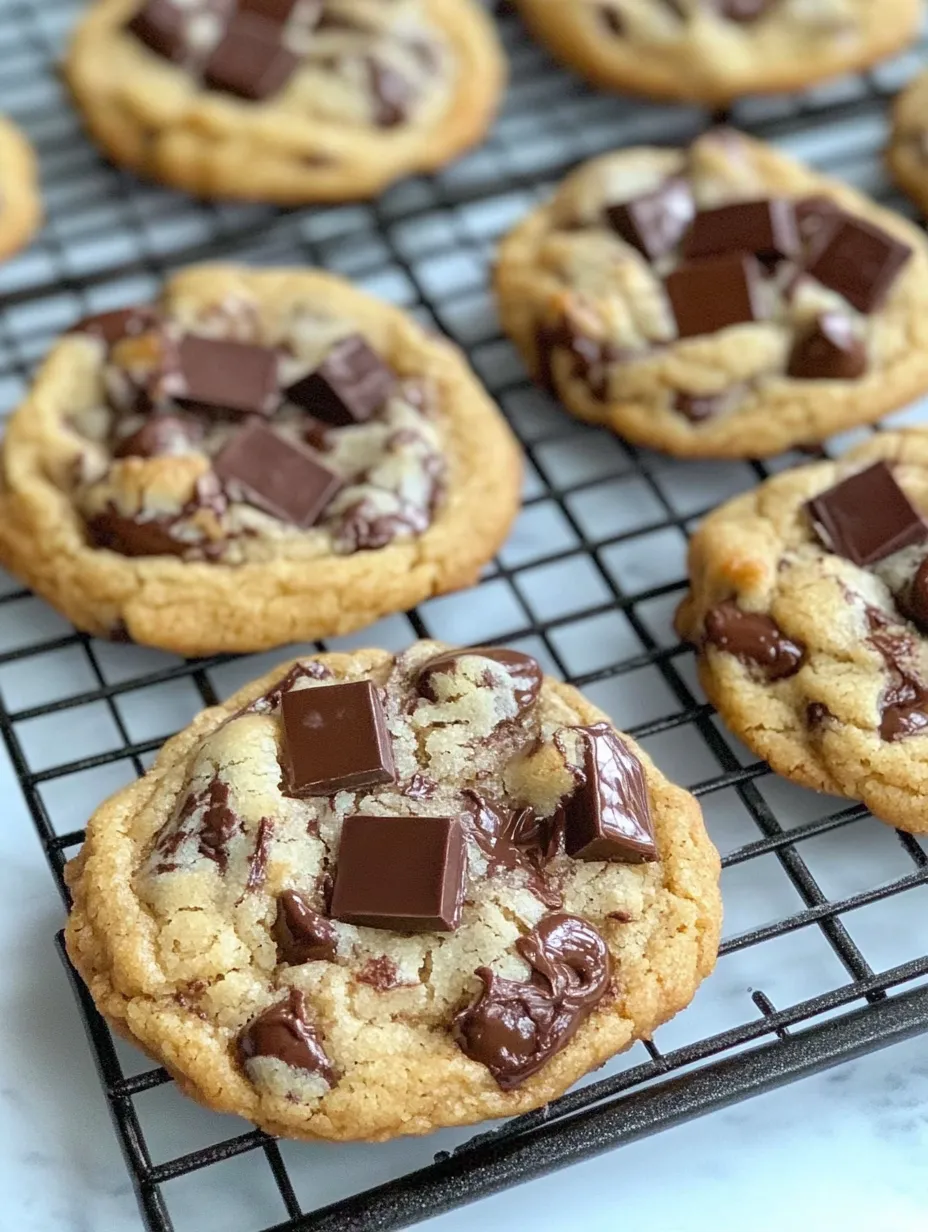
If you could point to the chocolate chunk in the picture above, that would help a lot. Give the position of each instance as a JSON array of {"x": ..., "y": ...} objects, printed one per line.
[
  {"x": 515, "y": 839},
  {"x": 592, "y": 358},
  {"x": 697, "y": 408},
  {"x": 302, "y": 934},
  {"x": 161, "y": 26},
  {"x": 525, "y": 672},
  {"x": 272, "y": 698},
  {"x": 608, "y": 815},
  {"x": 391, "y": 92},
  {"x": 250, "y": 61},
  {"x": 716, "y": 292},
  {"x": 284, "y": 1032},
  {"x": 654, "y": 222},
  {"x": 160, "y": 434},
  {"x": 112, "y": 327},
  {"x": 817, "y": 713},
  {"x": 612, "y": 19},
  {"x": 219, "y": 823},
  {"x": 336, "y": 739},
  {"x": 914, "y": 603},
  {"x": 402, "y": 873},
  {"x": 765, "y": 228},
  {"x": 755, "y": 639},
  {"x": 420, "y": 787},
  {"x": 279, "y": 12},
  {"x": 867, "y": 517},
  {"x": 216, "y": 375},
  {"x": 742, "y": 11},
  {"x": 858, "y": 260},
  {"x": 514, "y": 1027},
  {"x": 829, "y": 350},
  {"x": 381, "y": 973},
  {"x": 134, "y": 536},
  {"x": 281, "y": 476},
  {"x": 904, "y": 704},
  {"x": 364, "y": 528},
  {"x": 813, "y": 215},
  {"x": 350, "y": 385}
]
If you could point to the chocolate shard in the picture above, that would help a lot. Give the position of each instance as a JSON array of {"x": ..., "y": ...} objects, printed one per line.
[
  {"x": 713, "y": 293},
  {"x": 161, "y": 26},
  {"x": 158, "y": 435},
  {"x": 250, "y": 60},
  {"x": 302, "y": 934},
  {"x": 525, "y": 671},
  {"x": 867, "y": 517},
  {"x": 515, "y": 1027},
  {"x": 215, "y": 375},
  {"x": 654, "y": 222},
  {"x": 515, "y": 839},
  {"x": 608, "y": 815},
  {"x": 112, "y": 327},
  {"x": 829, "y": 350},
  {"x": 755, "y": 639},
  {"x": 350, "y": 385},
  {"x": 133, "y": 536},
  {"x": 257, "y": 866},
  {"x": 765, "y": 228},
  {"x": 281, "y": 476},
  {"x": 284, "y": 1032},
  {"x": 336, "y": 739},
  {"x": 858, "y": 260},
  {"x": 401, "y": 873}
]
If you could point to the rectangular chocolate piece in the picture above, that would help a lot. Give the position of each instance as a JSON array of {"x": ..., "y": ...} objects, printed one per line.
[
  {"x": 716, "y": 292},
  {"x": 336, "y": 739},
  {"x": 858, "y": 260},
  {"x": 273, "y": 473},
  {"x": 766, "y": 228},
  {"x": 867, "y": 517},
  {"x": 161, "y": 26},
  {"x": 608, "y": 817},
  {"x": 350, "y": 385},
  {"x": 401, "y": 873},
  {"x": 250, "y": 61},
  {"x": 654, "y": 222},
  {"x": 216, "y": 375}
]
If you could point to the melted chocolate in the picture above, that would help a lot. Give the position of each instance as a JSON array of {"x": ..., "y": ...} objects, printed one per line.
[
  {"x": 525, "y": 672},
  {"x": 284, "y": 1032},
  {"x": 591, "y": 358},
  {"x": 257, "y": 869},
  {"x": 420, "y": 787},
  {"x": 301, "y": 933},
  {"x": 514, "y": 839},
  {"x": 913, "y": 601},
  {"x": 381, "y": 973},
  {"x": 755, "y": 639},
  {"x": 515, "y": 1027},
  {"x": 218, "y": 825},
  {"x": 904, "y": 704}
]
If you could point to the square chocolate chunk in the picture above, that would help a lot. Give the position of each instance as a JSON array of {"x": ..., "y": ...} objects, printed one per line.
[
  {"x": 608, "y": 817},
  {"x": 766, "y": 228},
  {"x": 283, "y": 477},
  {"x": 654, "y": 222},
  {"x": 162, "y": 26},
  {"x": 716, "y": 292},
  {"x": 858, "y": 260},
  {"x": 336, "y": 739},
  {"x": 250, "y": 61},
  {"x": 401, "y": 873},
  {"x": 350, "y": 385},
  {"x": 216, "y": 375},
  {"x": 867, "y": 517}
]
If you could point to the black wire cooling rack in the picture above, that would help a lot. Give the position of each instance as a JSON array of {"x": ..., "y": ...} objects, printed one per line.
[{"x": 587, "y": 583}]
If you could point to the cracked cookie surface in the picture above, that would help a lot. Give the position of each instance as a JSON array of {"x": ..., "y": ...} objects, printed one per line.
[
  {"x": 283, "y": 101},
  {"x": 718, "y": 301},
  {"x": 809, "y": 608},
  {"x": 713, "y": 51},
  {"x": 20, "y": 206},
  {"x": 217, "y": 900},
  {"x": 259, "y": 458}
]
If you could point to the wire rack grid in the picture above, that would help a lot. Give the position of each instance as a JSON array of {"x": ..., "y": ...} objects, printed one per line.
[{"x": 824, "y": 955}]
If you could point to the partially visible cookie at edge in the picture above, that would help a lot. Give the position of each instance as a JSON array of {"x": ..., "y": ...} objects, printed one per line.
[
  {"x": 20, "y": 204},
  {"x": 808, "y": 605},
  {"x": 259, "y": 457},
  {"x": 373, "y": 895},
  {"x": 722, "y": 300},
  {"x": 907, "y": 152}
]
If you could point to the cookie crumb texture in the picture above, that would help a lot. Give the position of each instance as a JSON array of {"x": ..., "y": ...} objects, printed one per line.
[
  {"x": 809, "y": 608},
  {"x": 717, "y": 301},
  {"x": 714, "y": 51},
  {"x": 20, "y": 205},
  {"x": 418, "y": 952},
  {"x": 285, "y": 101},
  {"x": 262, "y": 457}
]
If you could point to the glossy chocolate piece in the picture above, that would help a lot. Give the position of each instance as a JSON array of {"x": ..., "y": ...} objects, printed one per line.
[
  {"x": 755, "y": 639},
  {"x": 250, "y": 61},
  {"x": 162, "y": 26},
  {"x": 350, "y": 385},
  {"x": 215, "y": 375},
  {"x": 112, "y": 327},
  {"x": 829, "y": 350},
  {"x": 301, "y": 933},
  {"x": 284, "y": 1032},
  {"x": 914, "y": 605},
  {"x": 713, "y": 293},
  {"x": 858, "y": 260},
  {"x": 281, "y": 476},
  {"x": 514, "y": 1027},
  {"x": 158, "y": 435},
  {"x": 867, "y": 517},
  {"x": 525, "y": 671},
  {"x": 608, "y": 815},
  {"x": 335, "y": 739},
  {"x": 515, "y": 839},
  {"x": 654, "y": 222},
  {"x": 257, "y": 865},
  {"x": 401, "y": 873},
  {"x": 766, "y": 228},
  {"x": 904, "y": 703},
  {"x": 364, "y": 528}
]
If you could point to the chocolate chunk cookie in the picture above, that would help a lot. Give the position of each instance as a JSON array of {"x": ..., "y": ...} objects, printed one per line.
[
  {"x": 285, "y": 101},
  {"x": 20, "y": 207},
  {"x": 907, "y": 154},
  {"x": 809, "y": 608},
  {"x": 259, "y": 458},
  {"x": 718, "y": 301},
  {"x": 375, "y": 895},
  {"x": 713, "y": 51}
]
